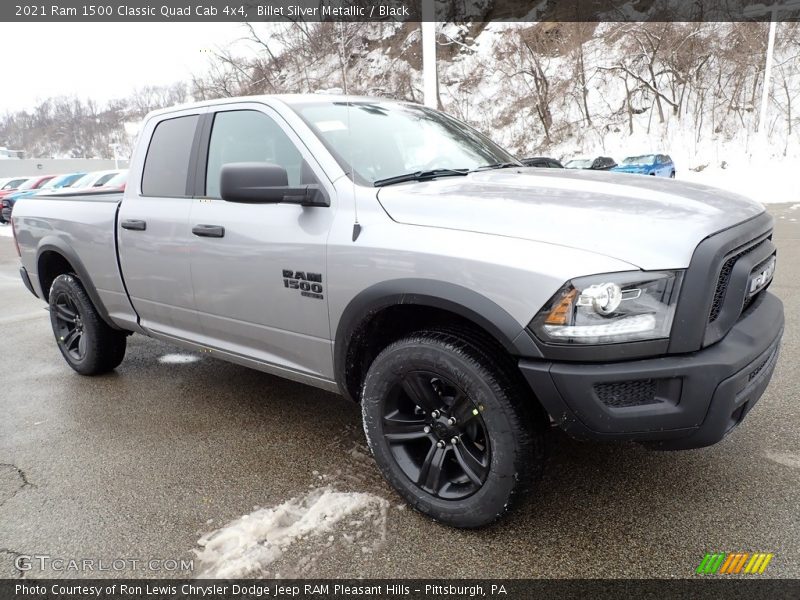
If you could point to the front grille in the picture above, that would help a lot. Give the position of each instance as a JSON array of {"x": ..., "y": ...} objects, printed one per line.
[
  {"x": 621, "y": 394},
  {"x": 724, "y": 280}
]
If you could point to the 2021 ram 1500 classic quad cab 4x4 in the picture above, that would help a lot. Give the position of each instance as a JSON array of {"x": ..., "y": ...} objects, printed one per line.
[{"x": 395, "y": 255}]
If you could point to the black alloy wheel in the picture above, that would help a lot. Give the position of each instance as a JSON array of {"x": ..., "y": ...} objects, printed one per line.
[
  {"x": 68, "y": 326},
  {"x": 436, "y": 435}
]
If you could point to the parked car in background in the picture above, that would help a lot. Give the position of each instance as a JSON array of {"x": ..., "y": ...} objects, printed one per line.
[
  {"x": 12, "y": 185},
  {"x": 56, "y": 183},
  {"x": 658, "y": 165},
  {"x": 601, "y": 163},
  {"x": 93, "y": 179},
  {"x": 32, "y": 183},
  {"x": 542, "y": 161},
  {"x": 115, "y": 184}
]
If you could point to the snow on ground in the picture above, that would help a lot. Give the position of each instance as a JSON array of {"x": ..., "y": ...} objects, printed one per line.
[
  {"x": 248, "y": 546},
  {"x": 5, "y": 230},
  {"x": 766, "y": 183},
  {"x": 178, "y": 359}
]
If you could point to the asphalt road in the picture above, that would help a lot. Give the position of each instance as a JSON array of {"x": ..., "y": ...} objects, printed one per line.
[{"x": 139, "y": 464}]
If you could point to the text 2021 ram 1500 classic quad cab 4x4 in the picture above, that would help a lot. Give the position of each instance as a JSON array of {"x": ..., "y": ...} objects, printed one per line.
[{"x": 392, "y": 254}]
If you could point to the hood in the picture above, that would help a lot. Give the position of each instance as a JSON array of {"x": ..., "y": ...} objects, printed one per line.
[{"x": 652, "y": 223}]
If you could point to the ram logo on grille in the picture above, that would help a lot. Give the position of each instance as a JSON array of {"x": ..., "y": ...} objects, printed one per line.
[{"x": 762, "y": 276}]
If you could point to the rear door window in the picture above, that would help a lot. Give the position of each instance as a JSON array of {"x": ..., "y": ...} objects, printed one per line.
[{"x": 166, "y": 165}]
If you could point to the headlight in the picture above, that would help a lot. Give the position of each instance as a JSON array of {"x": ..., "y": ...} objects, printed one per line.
[{"x": 613, "y": 308}]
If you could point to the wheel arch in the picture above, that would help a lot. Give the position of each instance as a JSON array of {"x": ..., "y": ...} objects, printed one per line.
[
  {"x": 54, "y": 258},
  {"x": 429, "y": 302}
]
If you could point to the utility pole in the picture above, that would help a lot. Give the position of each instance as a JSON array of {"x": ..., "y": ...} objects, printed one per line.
[
  {"x": 762, "y": 116},
  {"x": 756, "y": 11},
  {"x": 430, "y": 78}
]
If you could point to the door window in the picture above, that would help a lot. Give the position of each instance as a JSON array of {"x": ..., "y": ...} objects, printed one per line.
[
  {"x": 251, "y": 136},
  {"x": 166, "y": 165}
]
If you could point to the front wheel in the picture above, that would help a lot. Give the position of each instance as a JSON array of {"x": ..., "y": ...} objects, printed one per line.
[
  {"x": 449, "y": 427},
  {"x": 86, "y": 342}
]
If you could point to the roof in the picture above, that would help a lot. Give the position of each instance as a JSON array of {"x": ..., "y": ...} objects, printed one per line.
[{"x": 288, "y": 99}]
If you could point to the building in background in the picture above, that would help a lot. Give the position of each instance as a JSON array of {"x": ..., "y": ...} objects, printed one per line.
[{"x": 7, "y": 153}]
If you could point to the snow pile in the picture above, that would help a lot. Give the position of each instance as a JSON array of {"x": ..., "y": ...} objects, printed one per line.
[
  {"x": 250, "y": 544},
  {"x": 178, "y": 359},
  {"x": 5, "y": 230}
]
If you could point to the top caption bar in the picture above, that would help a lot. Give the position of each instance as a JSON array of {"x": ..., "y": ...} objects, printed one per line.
[{"x": 399, "y": 10}]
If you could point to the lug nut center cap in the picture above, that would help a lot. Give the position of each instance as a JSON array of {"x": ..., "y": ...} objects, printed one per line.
[{"x": 443, "y": 429}]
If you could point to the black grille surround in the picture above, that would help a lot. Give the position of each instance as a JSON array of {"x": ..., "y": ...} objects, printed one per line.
[{"x": 704, "y": 316}]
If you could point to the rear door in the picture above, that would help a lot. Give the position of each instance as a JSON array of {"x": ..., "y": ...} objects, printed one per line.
[
  {"x": 259, "y": 270},
  {"x": 153, "y": 227}
]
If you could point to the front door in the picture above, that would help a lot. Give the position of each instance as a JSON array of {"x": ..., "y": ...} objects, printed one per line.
[{"x": 259, "y": 275}]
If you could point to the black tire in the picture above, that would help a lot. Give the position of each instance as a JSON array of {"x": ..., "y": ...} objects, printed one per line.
[
  {"x": 672, "y": 175},
  {"x": 86, "y": 342},
  {"x": 499, "y": 427}
]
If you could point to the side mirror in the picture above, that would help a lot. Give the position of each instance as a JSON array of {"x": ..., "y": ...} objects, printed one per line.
[{"x": 265, "y": 183}]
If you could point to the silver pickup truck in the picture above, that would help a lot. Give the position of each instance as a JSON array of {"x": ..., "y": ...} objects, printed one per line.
[{"x": 392, "y": 254}]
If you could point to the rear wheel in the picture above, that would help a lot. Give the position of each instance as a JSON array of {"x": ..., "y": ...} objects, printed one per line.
[
  {"x": 86, "y": 342},
  {"x": 448, "y": 427}
]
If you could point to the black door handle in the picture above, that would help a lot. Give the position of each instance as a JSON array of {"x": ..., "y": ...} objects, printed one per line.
[
  {"x": 209, "y": 230},
  {"x": 134, "y": 224}
]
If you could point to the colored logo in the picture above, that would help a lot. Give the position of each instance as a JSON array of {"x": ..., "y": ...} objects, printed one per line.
[{"x": 734, "y": 563}]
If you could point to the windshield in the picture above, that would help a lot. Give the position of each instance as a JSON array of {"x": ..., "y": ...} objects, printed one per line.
[
  {"x": 118, "y": 179},
  {"x": 647, "y": 159},
  {"x": 13, "y": 184},
  {"x": 63, "y": 181},
  {"x": 84, "y": 181},
  {"x": 388, "y": 139},
  {"x": 579, "y": 163},
  {"x": 30, "y": 184}
]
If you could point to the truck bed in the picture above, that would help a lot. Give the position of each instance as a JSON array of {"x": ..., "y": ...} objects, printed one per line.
[{"x": 83, "y": 228}]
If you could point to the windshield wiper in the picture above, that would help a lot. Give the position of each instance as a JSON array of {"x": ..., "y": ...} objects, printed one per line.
[
  {"x": 501, "y": 165},
  {"x": 420, "y": 176}
]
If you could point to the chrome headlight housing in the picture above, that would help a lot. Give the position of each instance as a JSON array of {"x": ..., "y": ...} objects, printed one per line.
[{"x": 611, "y": 308}]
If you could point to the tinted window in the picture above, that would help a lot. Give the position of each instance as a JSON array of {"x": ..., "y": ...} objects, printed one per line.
[
  {"x": 251, "y": 136},
  {"x": 167, "y": 163},
  {"x": 104, "y": 179}
]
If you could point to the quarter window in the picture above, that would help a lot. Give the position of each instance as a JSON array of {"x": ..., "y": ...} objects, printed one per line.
[
  {"x": 166, "y": 166},
  {"x": 251, "y": 136}
]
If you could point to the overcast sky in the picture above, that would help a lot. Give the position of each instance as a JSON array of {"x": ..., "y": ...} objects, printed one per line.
[{"x": 101, "y": 60}]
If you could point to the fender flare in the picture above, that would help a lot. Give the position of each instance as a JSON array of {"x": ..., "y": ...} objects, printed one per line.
[
  {"x": 54, "y": 244},
  {"x": 454, "y": 298}
]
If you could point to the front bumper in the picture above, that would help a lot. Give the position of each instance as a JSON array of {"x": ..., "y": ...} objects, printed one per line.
[{"x": 676, "y": 402}]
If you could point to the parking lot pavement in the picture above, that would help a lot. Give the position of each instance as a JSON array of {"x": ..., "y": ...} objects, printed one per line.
[{"x": 139, "y": 464}]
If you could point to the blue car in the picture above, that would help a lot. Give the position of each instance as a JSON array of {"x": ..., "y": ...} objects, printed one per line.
[{"x": 659, "y": 165}]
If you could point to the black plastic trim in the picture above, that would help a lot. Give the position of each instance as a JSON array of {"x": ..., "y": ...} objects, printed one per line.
[
  {"x": 718, "y": 386},
  {"x": 436, "y": 294},
  {"x": 700, "y": 280},
  {"x": 82, "y": 273},
  {"x": 199, "y": 156},
  {"x": 23, "y": 273}
]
